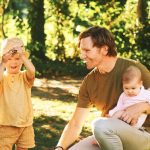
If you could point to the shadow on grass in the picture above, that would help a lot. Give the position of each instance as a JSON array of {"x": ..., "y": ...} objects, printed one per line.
[
  {"x": 49, "y": 93},
  {"x": 48, "y": 131}
]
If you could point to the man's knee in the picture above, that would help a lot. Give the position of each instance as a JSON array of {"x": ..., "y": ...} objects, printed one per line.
[{"x": 105, "y": 125}]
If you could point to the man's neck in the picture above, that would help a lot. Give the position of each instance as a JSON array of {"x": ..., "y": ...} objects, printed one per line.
[{"x": 107, "y": 65}]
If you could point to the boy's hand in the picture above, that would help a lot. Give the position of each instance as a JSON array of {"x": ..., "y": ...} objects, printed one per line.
[
  {"x": 6, "y": 56},
  {"x": 19, "y": 50}
]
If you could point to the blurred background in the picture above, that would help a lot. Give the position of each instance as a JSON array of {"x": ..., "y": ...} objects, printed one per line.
[{"x": 50, "y": 29}]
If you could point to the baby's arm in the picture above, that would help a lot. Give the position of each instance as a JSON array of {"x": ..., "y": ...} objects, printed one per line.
[{"x": 117, "y": 114}]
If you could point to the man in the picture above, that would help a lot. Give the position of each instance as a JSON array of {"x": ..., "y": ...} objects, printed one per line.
[{"x": 101, "y": 87}]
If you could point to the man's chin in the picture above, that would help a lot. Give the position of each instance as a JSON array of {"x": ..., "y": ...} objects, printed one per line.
[{"x": 89, "y": 67}]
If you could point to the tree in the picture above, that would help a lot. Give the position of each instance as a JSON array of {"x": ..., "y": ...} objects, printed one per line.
[
  {"x": 3, "y": 6},
  {"x": 143, "y": 35},
  {"x": 36, "y": 23}
]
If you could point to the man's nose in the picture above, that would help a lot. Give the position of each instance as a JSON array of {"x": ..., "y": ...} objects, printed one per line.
[{"x": 83, "y": 55}]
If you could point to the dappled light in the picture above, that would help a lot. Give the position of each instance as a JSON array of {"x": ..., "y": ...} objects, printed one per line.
[
  {"x": 65, "y": 90},
  {"x": 50, "y": 31},
  {"x": 47, "y": 128},
  {"x": 54, "y": 101}
]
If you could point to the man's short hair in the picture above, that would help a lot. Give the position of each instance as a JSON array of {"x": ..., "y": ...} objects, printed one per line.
[{"x": 100, "y": 37}]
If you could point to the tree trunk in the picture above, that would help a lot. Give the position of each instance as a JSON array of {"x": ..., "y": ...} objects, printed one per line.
[{"x": 36, "y": 22}]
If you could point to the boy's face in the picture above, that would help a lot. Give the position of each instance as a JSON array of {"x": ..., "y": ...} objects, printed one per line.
[
  {"x": 13, "y": 64},
  {"x": 132, "y": 88}
]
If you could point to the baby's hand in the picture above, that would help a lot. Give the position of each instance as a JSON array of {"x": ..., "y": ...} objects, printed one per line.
[
  {"x": 94, "y": 142},
  {"x": 118, "y": 114}
]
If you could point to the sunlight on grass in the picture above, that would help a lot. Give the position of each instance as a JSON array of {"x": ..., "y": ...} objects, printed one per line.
[
  {"x": 53, "y": 105},
  {"x": 52, "y": 108},
  {"x": 59, "y": 108}
]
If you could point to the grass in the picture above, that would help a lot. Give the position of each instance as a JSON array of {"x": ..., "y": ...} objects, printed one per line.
[{"x": 54, "y": 101}]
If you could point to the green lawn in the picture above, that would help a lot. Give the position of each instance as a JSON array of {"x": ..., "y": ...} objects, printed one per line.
[{"x": 54, "y": 100}]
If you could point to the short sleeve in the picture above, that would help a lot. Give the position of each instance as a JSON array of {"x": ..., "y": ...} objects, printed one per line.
[
  {"x": 83, "y": 97},
  {"x": 1, "y": 82},
  {"x": 145, "y": 75},
  {"x": 28, "y": 82}
]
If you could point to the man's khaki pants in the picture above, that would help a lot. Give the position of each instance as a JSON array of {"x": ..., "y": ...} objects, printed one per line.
[{"x": 114, "y": 134}]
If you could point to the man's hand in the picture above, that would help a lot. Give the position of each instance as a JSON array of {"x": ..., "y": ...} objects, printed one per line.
[{"x": 132, "y": 113}]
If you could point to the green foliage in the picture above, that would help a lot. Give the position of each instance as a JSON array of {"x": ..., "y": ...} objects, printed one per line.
[
  {"x": 50, "y": 29},
  {"x": 74, "y": 67}
]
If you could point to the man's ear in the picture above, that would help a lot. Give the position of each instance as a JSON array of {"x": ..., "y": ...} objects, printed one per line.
[{"x": 104, "y": 50}]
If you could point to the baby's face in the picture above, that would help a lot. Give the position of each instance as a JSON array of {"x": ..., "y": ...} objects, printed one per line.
[
  {"x": 13, "y": 64},
  {"x": 132, "y": 88}
]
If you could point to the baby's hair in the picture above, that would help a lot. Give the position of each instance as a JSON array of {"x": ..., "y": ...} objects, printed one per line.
[{"x": 131, "y": 73}]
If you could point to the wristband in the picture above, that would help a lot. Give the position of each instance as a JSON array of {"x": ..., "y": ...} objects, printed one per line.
[{"x": 59, "y": 147}]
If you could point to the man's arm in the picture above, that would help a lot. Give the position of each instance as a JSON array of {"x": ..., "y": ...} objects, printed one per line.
[
  {"x": 131, "y": 113},
  {"x": 73, "y": 128}
]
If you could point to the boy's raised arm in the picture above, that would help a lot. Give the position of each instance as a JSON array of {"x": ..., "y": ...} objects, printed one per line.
[
  {"x": 28, "y": 64},
  {"x": 1, "y": 71},
  {"x": 4, "y": 59},
  {"x": 29, "y": 67}
]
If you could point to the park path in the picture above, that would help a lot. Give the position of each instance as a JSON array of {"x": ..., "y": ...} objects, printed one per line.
[
  {"x": 52, "y": 96},
  {"x": 71, "y": 85}
]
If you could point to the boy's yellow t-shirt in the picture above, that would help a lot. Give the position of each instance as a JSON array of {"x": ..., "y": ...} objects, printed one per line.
[{"x": 15, "y": 100}]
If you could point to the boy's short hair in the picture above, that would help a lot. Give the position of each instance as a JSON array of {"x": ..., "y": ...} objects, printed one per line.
[
  {"x": 9, "y": 44},
  {"x": 131, "y": 73}
]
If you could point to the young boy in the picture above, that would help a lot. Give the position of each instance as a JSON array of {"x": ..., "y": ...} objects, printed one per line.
[
  {"x": 134, "y": 92},
  {"x": 16, "y": 114}
]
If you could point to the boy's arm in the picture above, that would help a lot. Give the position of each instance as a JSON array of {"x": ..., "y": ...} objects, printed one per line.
[
  {"x": 73, "y": 128},
  {"x": 27, "y": 63},
  {"x": 1, "y": 71},
  {"x": 29, "y": 67},
  {"x": 4, "y": 59},
  {"x": 1, "y": 76}
]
